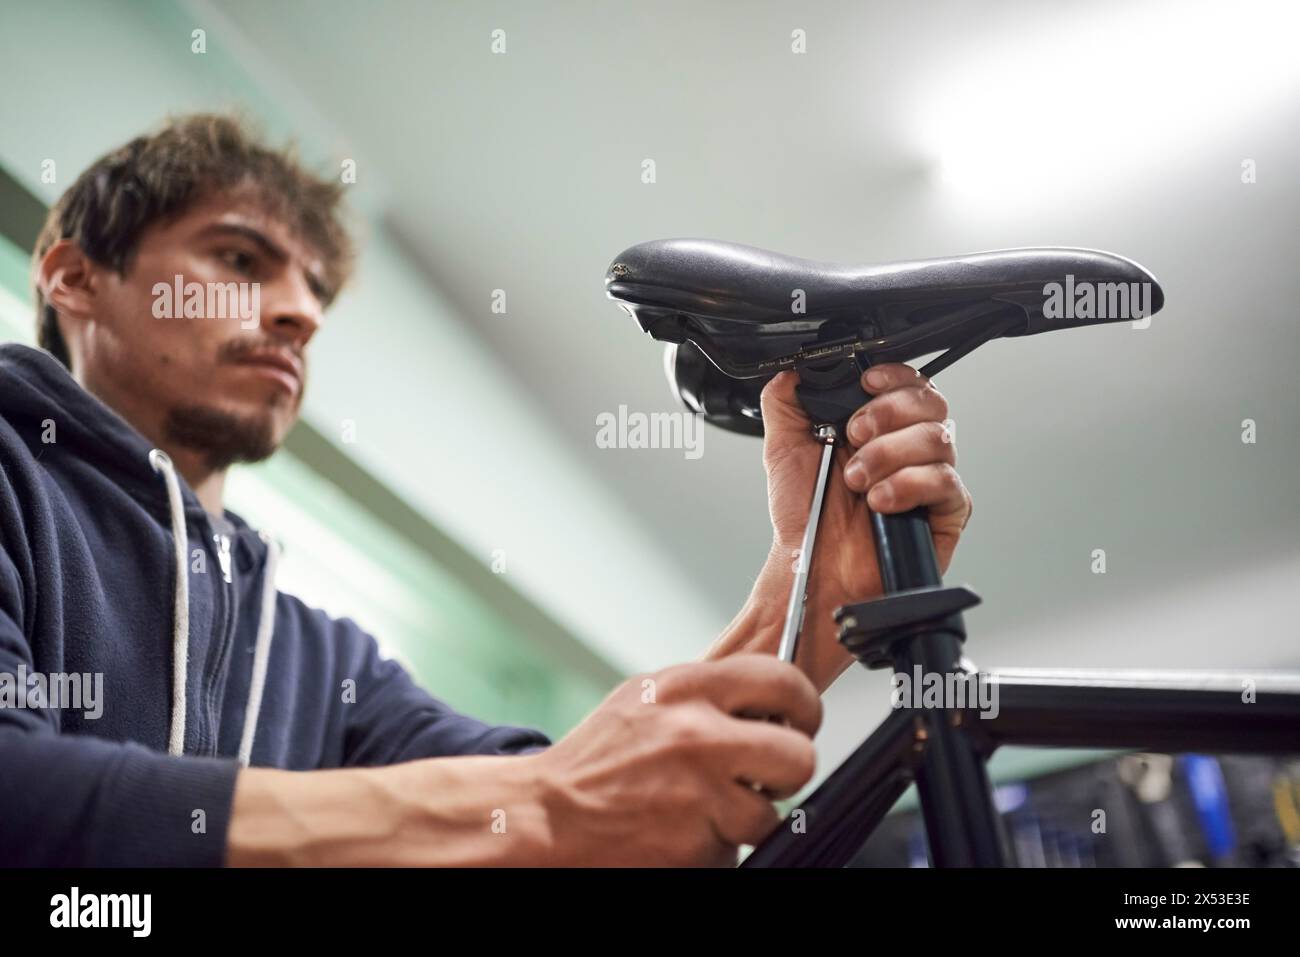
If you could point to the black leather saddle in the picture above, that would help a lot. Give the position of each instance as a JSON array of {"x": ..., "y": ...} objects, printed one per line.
[{"x": 736, "y": 315}]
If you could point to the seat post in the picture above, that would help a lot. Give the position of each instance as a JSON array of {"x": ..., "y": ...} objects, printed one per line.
[{"x": 961, "y": 819}]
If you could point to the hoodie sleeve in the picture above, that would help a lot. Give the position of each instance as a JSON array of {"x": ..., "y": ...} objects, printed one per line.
[
  {"x": 77, "y": 800},
  {"x": 393, "y": 719}
]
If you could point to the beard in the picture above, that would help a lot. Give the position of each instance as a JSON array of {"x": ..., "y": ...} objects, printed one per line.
[{"x": 223, "y": 437}]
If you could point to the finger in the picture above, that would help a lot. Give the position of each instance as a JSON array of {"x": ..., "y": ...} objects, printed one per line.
[
  {"x": 779, "y": 760},
  {"x": 897, "y": 409},
  {"x": 751, "y": 684},
  {"x": 780, "y": 405},
  {"x": 744, "y": 815},
  {"x": 891, "y": 375},
  {"x": 938, "y": 487},
  {"x": 922, "y": 443}
]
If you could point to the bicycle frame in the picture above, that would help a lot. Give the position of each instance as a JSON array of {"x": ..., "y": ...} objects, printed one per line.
[{"x": 1223, "y": 712}]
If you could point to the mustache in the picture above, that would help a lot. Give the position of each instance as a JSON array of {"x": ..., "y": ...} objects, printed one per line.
[{"x": 237, "y": 350}]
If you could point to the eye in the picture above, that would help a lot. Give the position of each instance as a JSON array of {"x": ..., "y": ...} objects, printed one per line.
[{"x": 238, "y": 259}]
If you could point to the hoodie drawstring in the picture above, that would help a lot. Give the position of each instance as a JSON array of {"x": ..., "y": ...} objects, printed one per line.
[
  {"x": 162, "y": 464},
  {"x": 261, "y": 650}
]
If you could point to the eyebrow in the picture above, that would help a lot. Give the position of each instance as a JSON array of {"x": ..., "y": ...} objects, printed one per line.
[{"x": 268, "y": 247}]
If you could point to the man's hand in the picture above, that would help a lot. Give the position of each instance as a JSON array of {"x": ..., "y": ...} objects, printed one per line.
[
  {"x": 899, "y": 454},
  {"x": 672, "y": 769}
]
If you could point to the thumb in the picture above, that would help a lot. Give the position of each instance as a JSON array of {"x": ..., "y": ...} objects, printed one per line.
[{"x": 782, "y": 413}]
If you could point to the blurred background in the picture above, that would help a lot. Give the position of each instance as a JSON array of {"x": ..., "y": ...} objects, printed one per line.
[{"x": 446, "y": 487}]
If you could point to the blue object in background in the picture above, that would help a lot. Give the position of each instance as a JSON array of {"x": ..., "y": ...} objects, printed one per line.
[
  {"x": 1010, "y": 797},
  {"x": 917, "y": 853},
  {"x": 1210, "y": 795}
]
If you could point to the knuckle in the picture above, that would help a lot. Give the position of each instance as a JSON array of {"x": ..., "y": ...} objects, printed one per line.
[
  {"x": 629, "y": 692},
  {"x": 950, "y": 479},
  {"x": 678, "y": 682},
  {"x": 947, "y": 483},
  {"x": 937, "y": 400},
  {"x": 687, "y": 727},
  {"x": 859, "y": 424},
  {"x": 878, "y": 415},
  {"x": 804, "y": 760},
  {"x": 873, "y": 458},
  {"x": 903, "y": 486},
  {"x": 938, "y": 436}
]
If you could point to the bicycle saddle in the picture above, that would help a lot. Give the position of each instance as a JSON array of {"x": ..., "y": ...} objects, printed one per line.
[{"x": 737, "y": 315}]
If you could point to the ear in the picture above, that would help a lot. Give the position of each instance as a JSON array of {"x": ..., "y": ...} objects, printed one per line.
[{"x": 68, "y": 280}]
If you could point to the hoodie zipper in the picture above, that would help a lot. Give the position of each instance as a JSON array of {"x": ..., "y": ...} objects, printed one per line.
[
  {"x": 227, "y": 617},
  {"x": 223, "y": 557}
]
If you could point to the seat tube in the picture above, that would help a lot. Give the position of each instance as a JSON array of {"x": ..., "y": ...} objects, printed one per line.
[{"x": 961, "y": 820}]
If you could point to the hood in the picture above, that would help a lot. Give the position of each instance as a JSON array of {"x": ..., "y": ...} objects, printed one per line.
[{"x": 36, "y": 390}]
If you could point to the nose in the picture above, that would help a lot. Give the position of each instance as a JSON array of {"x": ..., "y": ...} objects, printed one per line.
[{"x": 290, "y": 309}]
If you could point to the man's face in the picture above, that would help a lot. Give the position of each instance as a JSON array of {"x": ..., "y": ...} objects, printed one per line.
[{"x": 229, "y": 382}]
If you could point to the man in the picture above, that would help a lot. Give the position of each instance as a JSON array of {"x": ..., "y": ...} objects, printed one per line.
[{"x": 225, "y": 735}]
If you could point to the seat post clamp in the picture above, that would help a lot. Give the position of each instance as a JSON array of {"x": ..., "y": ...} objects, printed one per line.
[{"x": 831, "y": 391}]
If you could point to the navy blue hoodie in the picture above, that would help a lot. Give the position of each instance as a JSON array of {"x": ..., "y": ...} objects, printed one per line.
[{"x": 110, "y": 567}]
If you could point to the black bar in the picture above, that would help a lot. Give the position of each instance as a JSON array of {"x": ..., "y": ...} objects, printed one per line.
[
  {"x": 905, "y": 551},
  {"x": 1157, "y": 713},
  {"x": 841, "y": 814},
  {"x": 962, "y": 825},
  {"x": 961, "y": 821}
]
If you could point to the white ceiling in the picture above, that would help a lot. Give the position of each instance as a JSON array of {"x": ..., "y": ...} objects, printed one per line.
[{"x": 905, "y": 131}]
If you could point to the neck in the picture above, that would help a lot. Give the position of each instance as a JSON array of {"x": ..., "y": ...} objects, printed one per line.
[{"x": 209, "y": 484}]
